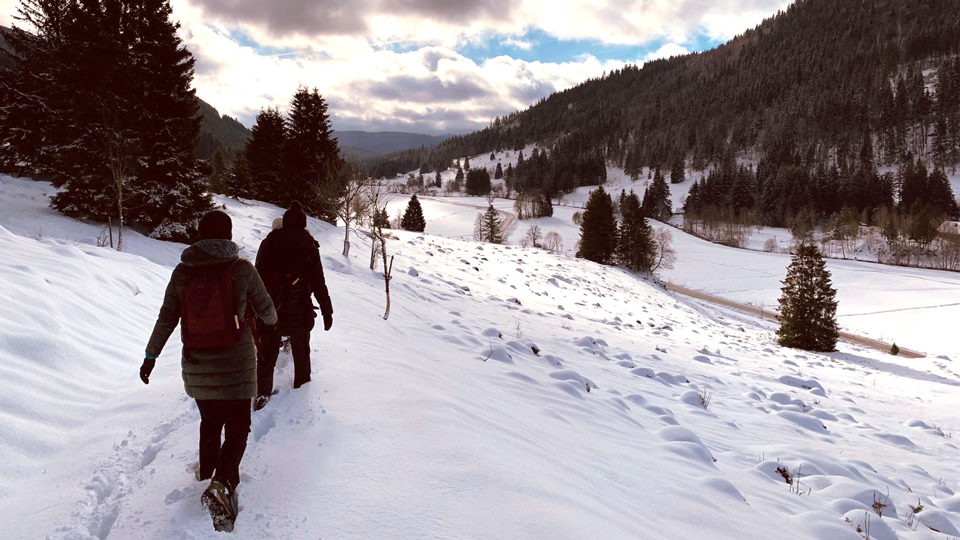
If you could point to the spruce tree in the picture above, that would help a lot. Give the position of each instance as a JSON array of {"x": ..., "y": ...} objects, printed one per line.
[
  {"x": 808, "y": 306},
  {"x": 635, "y": 247},
  {"x": 413, "y": 217},
  {"x": 677, "y": 170},
  {"x": 478, "y": 182},
  {"x": 598, "y": 230},
  {"x": 656, "y": 199},
  {"x": 488, "y": 226},
  {"x": 498, "y": 173},
  {"x": 313, "y": 164},
  {"x": 438, "y": 182},
  {"x": 219, "y": 175},
  {"x": 264, "y": 155}
]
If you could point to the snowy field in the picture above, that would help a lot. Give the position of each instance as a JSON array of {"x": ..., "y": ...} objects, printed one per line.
[
  {"x": 917, "y": 308},
  {"x": 512, "y": 393}
]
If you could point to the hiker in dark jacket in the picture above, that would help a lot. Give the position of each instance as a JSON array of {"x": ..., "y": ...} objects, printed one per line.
[
  {"x": 289, "y": 261},
  {"x": 219, "y": 359}
]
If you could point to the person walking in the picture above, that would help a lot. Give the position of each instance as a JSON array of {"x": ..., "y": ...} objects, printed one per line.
[
  {"x": 214, "y": 295},
  {"x": 289, "y": 261}
]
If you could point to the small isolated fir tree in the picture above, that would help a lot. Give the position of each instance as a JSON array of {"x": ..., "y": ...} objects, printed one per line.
[
  {"x": 478, "y": 182},
  {"x": 808, "y": 305},
  {"x": 498, "y": 172},
  {"x": 413, "y": 218},
  {"x": 437, "y": 181},
  {"x": 598, "y": 230},
  {"x": 489, "y": 226},
  {"x": 635, "y": 246}
]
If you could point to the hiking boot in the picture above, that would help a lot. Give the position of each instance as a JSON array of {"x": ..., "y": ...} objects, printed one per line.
[
  {"x": 221, "y": 502},
  {"x": 260, "y": 402}
]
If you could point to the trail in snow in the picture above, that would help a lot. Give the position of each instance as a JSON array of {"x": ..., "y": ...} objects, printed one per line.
[{"x": 512, "y": 393}]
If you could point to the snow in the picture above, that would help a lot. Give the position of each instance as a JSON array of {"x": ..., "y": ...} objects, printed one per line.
[{"x": 512, "y": 393}]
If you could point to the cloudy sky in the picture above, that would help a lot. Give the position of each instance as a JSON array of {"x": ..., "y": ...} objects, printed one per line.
[{"x": 433, "y": 66}]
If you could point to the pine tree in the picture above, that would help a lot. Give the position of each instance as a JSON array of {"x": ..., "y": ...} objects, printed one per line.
[
  {"x": 413, "y": 217},
  {"x": 466, "y": 163},
  {"x": 635, "y": 247},
  {"x": 656, "y": 199},
  {"x": 219, "y": 175},
  {"x": 488, "y": 226},
  {"x": 677, "y": 170},
  {"x": 808, "y": 306},
  {"x": 264, "y": 155},
  {"x": 380, "y": 219},
  {"x": 438, "y": 181},
  {"x": 598, "y": 230},
  {"x": 498, "y": 173},
  {"x": 478, "y": 182},
  {"x": 940, "y": 194},
  {"x": 313, "y": 166}
]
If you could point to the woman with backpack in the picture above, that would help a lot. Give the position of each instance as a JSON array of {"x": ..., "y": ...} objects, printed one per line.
[{"x": 214, "y": 295}]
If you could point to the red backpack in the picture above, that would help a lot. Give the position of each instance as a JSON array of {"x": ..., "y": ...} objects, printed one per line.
[{"x": 208, "y": 308}]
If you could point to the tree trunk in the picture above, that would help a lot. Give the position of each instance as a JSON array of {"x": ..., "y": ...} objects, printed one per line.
[
  {"x": 120, "y": 220},
  {"x": 346, "y": 239},
  {"x": 373, "y": 251},
  {"x": 110, "y": 228}
]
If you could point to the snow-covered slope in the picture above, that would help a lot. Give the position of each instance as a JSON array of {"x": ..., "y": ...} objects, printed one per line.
[{"x": 512, "y": 393}]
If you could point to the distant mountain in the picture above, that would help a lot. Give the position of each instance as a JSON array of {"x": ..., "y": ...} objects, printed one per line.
[
  {"x": 385, "y": 142},
  {"x": 219, "y": 132}
]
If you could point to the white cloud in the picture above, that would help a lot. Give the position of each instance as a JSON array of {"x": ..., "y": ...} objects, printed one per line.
[
  {"x": 393, "y": 64},
  {"x": 666, "y": 51}
]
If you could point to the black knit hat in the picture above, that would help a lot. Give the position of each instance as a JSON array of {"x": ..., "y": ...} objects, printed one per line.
[
  {"x": 216, "y": 225},
  {"x": 294, "y": 218}
]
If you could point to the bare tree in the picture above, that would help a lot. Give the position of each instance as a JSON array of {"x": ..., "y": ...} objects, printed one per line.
[
  {"x": 553, "y": 242},
  {"x": 354, "y": 205},
  {"x": 665, "y": 255},
  {"x": 533, "y": 237},
  {"x": 120, "y": 149},
  {"x": 377, "y": 213}
]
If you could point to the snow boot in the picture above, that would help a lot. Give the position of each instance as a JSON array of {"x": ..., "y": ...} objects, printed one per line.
[
  {"x": 260, "y": 402},
  {"x": 221, "y": 502}
]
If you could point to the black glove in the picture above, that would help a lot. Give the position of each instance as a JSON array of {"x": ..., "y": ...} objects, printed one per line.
[
  {"x": 146, "y": 369},
  {"x": 327, "y": 322}
]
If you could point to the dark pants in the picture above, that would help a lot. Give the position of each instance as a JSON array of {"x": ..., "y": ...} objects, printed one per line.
[
  {"x": 269, "y": 350},
  {"x": 232, "y": 418}
]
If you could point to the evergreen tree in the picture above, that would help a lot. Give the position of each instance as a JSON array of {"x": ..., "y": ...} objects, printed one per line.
[
  {"x": 264, "y": 155},
  {"x": 488, "y": 226},
  {"x": 656, "y": 199},
  {"x": 219, "y": 175},
  {"x": 413, "y": 217},
  {"x": 677, "y": 170},
  {"x": 438, "y": 181},
  {"x": 635, "y": 247},
  {"x": 466, "y": 163},
  {"x": 498, "y": 173},
  {"x": 808, "y": 306},
  {"x": 598, "y": 230},
  {"x": 940, "y": 194},
  {"x": 313, "y": 166},
  {"x": 119, "y": 117},
  {"x": 478, "y": 182},
  {"x": 380, "y": 219}
]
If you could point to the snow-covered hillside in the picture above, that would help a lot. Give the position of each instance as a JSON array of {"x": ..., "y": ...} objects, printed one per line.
[{"x": 512, "y": 393}]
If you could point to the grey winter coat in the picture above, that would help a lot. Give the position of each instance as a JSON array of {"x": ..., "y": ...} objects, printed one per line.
[{"x": 222, "y": 372}]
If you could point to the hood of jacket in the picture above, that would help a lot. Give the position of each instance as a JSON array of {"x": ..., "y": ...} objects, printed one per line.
[{"x": 210, "y": 251}]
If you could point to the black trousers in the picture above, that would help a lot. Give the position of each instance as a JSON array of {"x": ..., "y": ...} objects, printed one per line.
[
  {"x": 269, "y": 350},
  {"x": 231, "y": 418}
]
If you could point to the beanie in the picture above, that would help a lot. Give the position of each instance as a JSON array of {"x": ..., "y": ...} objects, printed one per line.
[
  {"x": 216, "y": 225},
  {"x": 294, "y": 218}
]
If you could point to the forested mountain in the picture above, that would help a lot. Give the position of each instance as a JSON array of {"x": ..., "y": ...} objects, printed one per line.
[
  {"x": 384, "y": 142},
  {"x": 822, "y": 82},
  {"x": 223, "y": 133}
]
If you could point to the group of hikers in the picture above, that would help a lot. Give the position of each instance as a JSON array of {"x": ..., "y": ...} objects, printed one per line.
[{"x": 233, "y": 316}]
